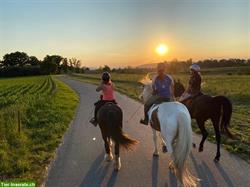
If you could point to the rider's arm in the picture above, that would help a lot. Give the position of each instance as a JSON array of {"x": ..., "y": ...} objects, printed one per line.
[
  {"x": 172, "y": 88},
  {"x": 99, "y": 88},
  {"x": 113, "y": 86},
  {"x": 172, "y": 91},
  {"x": 153, "y": 85}
]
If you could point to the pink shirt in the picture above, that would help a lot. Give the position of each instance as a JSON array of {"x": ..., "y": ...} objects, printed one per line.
[{"x": 108, "y": 92}]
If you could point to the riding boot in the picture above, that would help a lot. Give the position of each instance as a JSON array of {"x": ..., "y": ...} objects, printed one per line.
[
  {"x": 145, "y": 120},
  {"x": 93, "y": 121}
]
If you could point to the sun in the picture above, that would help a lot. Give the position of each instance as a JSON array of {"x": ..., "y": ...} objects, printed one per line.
[{"x": 161, "y": 49}]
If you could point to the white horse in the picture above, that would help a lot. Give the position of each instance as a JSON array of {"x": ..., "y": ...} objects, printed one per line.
[{"x": 173, "y": 121}]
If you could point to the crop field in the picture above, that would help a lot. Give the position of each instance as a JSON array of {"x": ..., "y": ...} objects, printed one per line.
[
  {"x": 34, "y": 114},
  {"x": 234, "y": 86}
]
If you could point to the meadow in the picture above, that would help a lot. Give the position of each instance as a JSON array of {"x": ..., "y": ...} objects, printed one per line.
[
  {"x": 34, "y": 114},
  {"x": 229, "y": 83}
]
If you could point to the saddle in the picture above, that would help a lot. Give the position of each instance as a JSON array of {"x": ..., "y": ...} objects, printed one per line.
[{"x": 193, "y": 97}]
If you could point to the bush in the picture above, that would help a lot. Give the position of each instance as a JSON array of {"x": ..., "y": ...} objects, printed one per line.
[{"x": 20, "y": 71}]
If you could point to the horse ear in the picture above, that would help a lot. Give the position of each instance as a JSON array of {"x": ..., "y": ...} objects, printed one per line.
[
  {"x": 142, "y": 82},
  {"x": 148, "y": 77}
]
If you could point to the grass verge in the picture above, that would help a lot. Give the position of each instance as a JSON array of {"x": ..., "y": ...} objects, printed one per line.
[{"x": 45, "y": 111}]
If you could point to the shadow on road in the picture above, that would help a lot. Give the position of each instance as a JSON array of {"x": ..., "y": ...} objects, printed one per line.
[
  {"x": 112, "y": 179},
  {"x": 204, "y": 173},
  {"x": 224, "y": 175},
  {"x": 97, "y": 173},
  {"x": 154, "y": 173}
]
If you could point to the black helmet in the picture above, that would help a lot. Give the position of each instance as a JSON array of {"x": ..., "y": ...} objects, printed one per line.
[{"x": 106, "y": 76}]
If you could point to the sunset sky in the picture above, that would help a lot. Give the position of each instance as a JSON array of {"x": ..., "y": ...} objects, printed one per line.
[{"x": 126, "y": 32}]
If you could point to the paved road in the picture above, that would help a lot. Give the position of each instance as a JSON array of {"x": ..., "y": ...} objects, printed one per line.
[{"x": 79, "y": 160}]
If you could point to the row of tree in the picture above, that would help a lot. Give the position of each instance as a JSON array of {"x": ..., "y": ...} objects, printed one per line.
[
  {"x": 176, "y": 66},
  {"x": 182, "y": 66},
  {"x": 19, "y": 64}
]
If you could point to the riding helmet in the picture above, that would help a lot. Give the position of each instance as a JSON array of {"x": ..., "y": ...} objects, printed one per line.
[
  {"x": 106, "y": 76},
  {"x": 195, "y": 67}
]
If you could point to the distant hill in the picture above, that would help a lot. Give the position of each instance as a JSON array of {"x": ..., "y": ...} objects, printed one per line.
[{"x": 147, "y": 66}]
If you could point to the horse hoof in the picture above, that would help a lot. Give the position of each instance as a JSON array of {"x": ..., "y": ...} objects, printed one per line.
[
  {"x": 117, "y": 164},
  {"x": 200, "y": 149},
  {"x": 108, "y": 157},
  {"x": 194, "y": 145},
  {"x": 156, "y": 154},
  {"x": 216, "y": 160},
  {"x": 164, "y": 149},
  {"x": 117, "y": 168}
]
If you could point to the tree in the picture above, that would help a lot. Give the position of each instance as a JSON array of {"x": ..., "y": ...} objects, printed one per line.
[
  {"x": 51, "y": 64},
  {"x": 15, "y": 59},
  {"x": 64, "y": 65},
  {"x": 106, "y": 68},
  {"x": 33, "y": 61},
  {"x": 75, "y": 65}
]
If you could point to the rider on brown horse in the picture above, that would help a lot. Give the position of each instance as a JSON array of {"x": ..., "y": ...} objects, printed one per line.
[
  {"x": 203, "y": 107},
  {"x": 107, "y": 88},
  {"x": 163, "y": 90},
  {"x": 194, "y": 86}
]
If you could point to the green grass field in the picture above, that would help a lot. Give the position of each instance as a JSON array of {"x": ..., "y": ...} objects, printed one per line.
[
  {"x": 236, "y": 87},
  {"x": 45, "y": 106}
]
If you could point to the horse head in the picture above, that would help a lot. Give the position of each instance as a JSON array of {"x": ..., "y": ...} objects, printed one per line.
[
  {"x": 147, "y": 90},
  {"x": 178, "y": 88}
]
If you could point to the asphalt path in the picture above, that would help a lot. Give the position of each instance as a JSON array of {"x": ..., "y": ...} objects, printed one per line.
[{"x": 79, "y": 160}]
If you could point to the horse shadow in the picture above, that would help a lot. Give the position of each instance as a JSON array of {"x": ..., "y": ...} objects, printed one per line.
[
  {"x": 204, "y": 173},
  {"x": 224, "y": 175},
  {"x": 154, "y": 171},
  {"x": 154, "y": 174},
  {"x": 97, "y": 173}
]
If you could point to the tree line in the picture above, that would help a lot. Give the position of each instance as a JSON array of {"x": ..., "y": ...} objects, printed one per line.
[
  {"x": 21, "y": 64},
  {"x": 175, "y": 66}
]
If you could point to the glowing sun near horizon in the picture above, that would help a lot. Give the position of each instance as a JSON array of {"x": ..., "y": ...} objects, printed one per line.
[{"x": 161, "y": 49}]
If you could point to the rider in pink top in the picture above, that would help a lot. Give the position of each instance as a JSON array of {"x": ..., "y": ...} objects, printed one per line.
[
  {"x": 107, "y": 88},
  {"x": 107, "y": 91}
]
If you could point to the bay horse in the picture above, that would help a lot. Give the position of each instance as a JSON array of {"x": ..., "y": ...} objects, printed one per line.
[
  {"x": 109, "y": 118},
  {"x": 203, "y": 107},
  {"x": 173, "y": 121}
]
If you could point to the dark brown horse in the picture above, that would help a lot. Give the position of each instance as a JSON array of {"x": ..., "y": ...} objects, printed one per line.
[
  {"x": 203, "y": 107},
  {"x": 109, "y": 118}
]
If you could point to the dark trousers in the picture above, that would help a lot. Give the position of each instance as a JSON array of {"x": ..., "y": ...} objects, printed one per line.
[
  {"x": 99, "y": 104},
  {"x": 154, "y": 100}
]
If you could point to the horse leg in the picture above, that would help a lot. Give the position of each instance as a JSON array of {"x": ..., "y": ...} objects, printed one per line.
[
  {"x": 108, "y": 155},
  {"x": 201, "y": 124},
  {"x": 156, "y": 152},
  {"x": 117, "y": 164},
  {"x": 163, "y": 143},
  {"x": 218, "y": 137}
]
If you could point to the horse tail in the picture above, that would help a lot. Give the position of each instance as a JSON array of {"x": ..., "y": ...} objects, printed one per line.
[
  {"x": 116, "y": 133},
  {"x": 226, "y": 114},
  {"x": 181, "y": 149}
]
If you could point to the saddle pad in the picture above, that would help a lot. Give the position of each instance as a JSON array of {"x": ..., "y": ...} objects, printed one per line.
[{"x": 151, "y": 110}]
